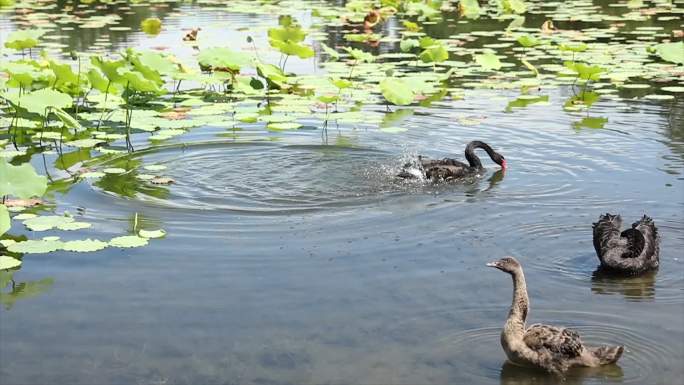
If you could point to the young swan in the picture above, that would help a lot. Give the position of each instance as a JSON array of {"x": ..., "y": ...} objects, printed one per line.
[{"x": 554, "y": 349}]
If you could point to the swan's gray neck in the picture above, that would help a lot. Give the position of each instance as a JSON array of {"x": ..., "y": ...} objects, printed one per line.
[{"x": 521, "y": 302}]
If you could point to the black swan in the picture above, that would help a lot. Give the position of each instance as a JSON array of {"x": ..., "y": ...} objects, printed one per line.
[
  {"x": 632, "y": 251},
  {"x": 448, "y": 169},
  {"x": 554, "y": 349}
]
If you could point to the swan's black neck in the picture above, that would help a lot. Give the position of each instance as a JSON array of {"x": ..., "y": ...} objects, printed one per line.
[{"x": 473, "y": 160}]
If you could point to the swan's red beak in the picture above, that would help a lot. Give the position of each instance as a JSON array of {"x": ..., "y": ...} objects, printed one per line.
[{"x": 503, "y": 164}]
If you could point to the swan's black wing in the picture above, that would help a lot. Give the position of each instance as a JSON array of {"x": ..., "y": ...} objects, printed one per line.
[
  {"x": 649, "y": 246},
  {"x": 555, "y": 346},
  {"x": 605, "y": 230}
]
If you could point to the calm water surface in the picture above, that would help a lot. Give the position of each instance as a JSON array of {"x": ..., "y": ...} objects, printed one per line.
[{"x": 298, "y": 258}]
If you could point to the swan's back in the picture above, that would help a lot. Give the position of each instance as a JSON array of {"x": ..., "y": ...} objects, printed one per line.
[{"x": 631, "y": 251}]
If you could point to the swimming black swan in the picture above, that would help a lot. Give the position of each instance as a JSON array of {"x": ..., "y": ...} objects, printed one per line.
[
  {"x": 551, "y": 348},
  {"x": 449, "y": 169},
  {"x": 632, "y": 251}
]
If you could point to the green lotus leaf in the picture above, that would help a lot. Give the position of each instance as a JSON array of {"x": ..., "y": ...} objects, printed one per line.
[
  {"x": 360, "y": 55},
  {"x": 469, "y": 8},
  {"x": 275, "y": 77},
  {"x": 513, "y": 6},
  {"x": 577, "y": 47},
  {"x": 127, "y": 241},
  {"x": 341, "y": 83},
  {"x": 71, "y": 226},
  {"x": 152, "y": 233},
  {"x": 396, "y": 91},
  {"x": 528, "y": 41},
  {"x": 21, "y": 181},
  {"x": 39, "y": 101},
  {"x": 434, "y": 54},
  {"x": 84, "y": 246},
  {"x": 137, "y": 81},
  {"x": 219, "y": 57},
  {"x": 110, "y": 68},
  {"x": 24, "y": 39},
  {"x": 151, "y": 26},
  {"x": 8, "y": 262},
  {"x": 35, "y": 246},
  {"x": 292, "y": 48},
  {"x": 488, "y": 61},
  {"x": 47, "y": 222},
  {"x": 330, "y": 52},
  {"x": 672, "y": 52},
  {"x": 407, "y": 45},
  {"x": 67, "y": 119},
  {"x": 5, "y": 222}
]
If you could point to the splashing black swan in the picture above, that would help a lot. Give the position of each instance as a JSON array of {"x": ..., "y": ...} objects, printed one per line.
[
  {"x": 554, "y": 349},
  {"x": 632, "y": 251},
  {"x": 449, "y": 169}
]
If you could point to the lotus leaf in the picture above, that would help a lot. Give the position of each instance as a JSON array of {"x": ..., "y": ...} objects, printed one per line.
[
  {"x": 46, "y": 222},
  {"x": 396, "y": 91},
  {"x": 5, "y": 222},
  {"x": 24, "y": 39},
  {"x": 151, "y": 26},
  {"x": 127, "y": 241},
  {"x": 84, "y": 246},
  {"x": 21, "y": 181},
  {"x": 219, "y": 57},
  {"x": 152, "y": 233},
  {"x": 488, "y": 61},
  {"x": 39, "y": 101},
  {"x": 8, "y": 262},
  {"x": 35, "y": 246}
]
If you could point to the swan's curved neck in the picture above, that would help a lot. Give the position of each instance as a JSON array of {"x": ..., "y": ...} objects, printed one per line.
[
  {"x": 473, "y": 160},
  {"x": 521, "y": 303}
]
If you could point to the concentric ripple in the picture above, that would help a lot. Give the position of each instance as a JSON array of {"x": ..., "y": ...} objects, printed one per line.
[{"x": 253, "y": 178}]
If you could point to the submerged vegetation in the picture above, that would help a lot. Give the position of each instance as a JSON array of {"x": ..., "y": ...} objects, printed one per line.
[{"x": 95, "y": 108}]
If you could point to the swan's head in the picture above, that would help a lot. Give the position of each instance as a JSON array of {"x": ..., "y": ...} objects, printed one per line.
[
  {"x": 499, "y": 159},
  {"x": 507, "y": 264}
]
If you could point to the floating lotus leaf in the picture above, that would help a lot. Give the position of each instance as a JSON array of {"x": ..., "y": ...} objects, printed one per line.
[
  {"x": 84, "y": 143},
  {"x": 47, "y": 222},
  {"x": 672, "y": 52},
  {"x": 152, "y": 233},
  {"x": 21, "y": 181},
  {"x": 84, "y": 246},
  {"x": 488, "y": 61},
  {"x": 127, "y": 241},
  {"x": 155, "y": 167},
  {"x": 35, "y": 246},
  {"x": 8, "y": 262},
  {"x": 71, "y": 226}
]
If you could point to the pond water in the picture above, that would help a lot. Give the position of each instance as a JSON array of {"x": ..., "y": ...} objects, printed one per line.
[{"x": 297, "y": 257}]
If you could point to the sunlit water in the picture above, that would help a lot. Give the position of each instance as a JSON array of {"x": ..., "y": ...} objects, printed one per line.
[{"x": 298, "y": 258}]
